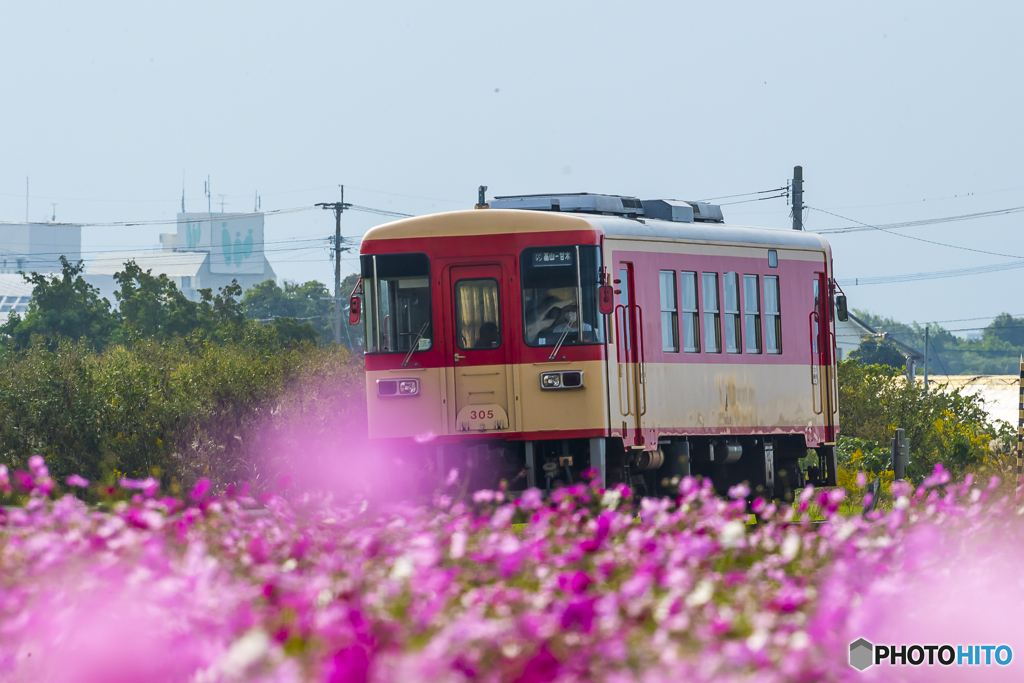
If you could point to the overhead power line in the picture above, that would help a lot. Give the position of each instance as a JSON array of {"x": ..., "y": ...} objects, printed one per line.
[
  {"x": 758, "y": 199},
  {"x": 931, "y": 275},
  {"x": 745, "y": 194},
  {"x": 960, "y": 320},
  {"x": 169, "y": 221},
  {"x": 863, "y": 227},
  {"x": 379, "y": 212},
  {"x": 233, "y": 216},
  {"x": 919, "y": 239}
]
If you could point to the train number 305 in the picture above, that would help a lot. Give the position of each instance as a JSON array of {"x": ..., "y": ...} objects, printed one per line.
[{"x": 481, "y": 415}]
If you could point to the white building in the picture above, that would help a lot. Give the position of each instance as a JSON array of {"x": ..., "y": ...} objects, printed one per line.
[
  {"x": 209, "y": 250},
  {"x": 38, "y": 246},
  {"x": 32, "y": 247},
  {"x": 15, "y": 294}
]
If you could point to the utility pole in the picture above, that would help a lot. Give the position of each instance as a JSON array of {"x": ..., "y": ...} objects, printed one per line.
[
  {"x": 926, "y": 359},
  {"x": 798, "y": 197},
  {"x": 337, "y": 208}
]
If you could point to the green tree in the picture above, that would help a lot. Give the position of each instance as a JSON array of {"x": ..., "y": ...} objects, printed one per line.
[
  {"x": 1006, "y": 329},
  {"x": 220, "y": 315},
  {"x": 64, "y": 306},
  {"x": 153, "y": 306},
  {"x": 875, "y": 351},
  {"x": 997, "y": 352},
  {"x": 308, "y": 302}
]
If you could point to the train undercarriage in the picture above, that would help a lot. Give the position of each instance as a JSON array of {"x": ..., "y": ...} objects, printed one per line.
[{"x": 772, "y": 466}]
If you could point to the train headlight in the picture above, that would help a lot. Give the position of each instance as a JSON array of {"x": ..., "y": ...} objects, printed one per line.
[
  {"x": 398, "y": 387},
  {"x": 563, "y": 379}
]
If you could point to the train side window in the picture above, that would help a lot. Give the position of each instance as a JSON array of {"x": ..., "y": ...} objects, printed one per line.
[
  {"x": 691, "y": 316},
  {"x": 752, "y": 313},
  {"x": 712, "y": 323},
  {"x": 669, "y": 312},
  {"x": 731, "y": 310},
  {"x": 773, "y": 258},
  {"x": 772, "y": 315}
]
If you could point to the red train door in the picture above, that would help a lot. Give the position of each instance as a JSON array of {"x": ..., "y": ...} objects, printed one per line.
[
  {"x": 822, "y": 373},
  {"x": 629, "y": 350},
  {"x": 479, "y": 347}
]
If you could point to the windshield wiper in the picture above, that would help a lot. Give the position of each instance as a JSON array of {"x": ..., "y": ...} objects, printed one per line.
[
  {"x": 565, "y": 332},
  {"x": 412, "y": 347}
]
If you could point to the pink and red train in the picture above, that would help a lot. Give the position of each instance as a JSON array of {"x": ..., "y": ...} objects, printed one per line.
[{"x": 547, "y": 334}]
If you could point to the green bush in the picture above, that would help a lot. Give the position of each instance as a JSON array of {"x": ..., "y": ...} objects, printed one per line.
[
  {"x": 947, "y": 427},
  {"x": 177, "y": 409}
]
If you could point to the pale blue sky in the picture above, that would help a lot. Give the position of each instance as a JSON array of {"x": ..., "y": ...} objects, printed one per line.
[{"x": 412, "y": 105}]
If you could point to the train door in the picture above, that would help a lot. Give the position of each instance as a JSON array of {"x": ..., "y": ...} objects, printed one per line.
[
  {"x": 822, "y": 372},
  {"x": 480, "y": 350},
  {"x": 629, "y": 350}
]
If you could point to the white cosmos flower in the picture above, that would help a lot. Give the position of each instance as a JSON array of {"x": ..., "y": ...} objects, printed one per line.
[
  {"x": 244, "y": 652},
  {"x": 701, "y": 594},
  {"x": 732, "y": 532},
  {"x": 402, "y": 568},
  {"x": 790, "y": 547},
  {"x": 611, "y": 499}
]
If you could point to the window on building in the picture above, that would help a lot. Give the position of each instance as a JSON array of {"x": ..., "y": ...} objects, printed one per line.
[
  {"x": 669, "y": 312},
  {"x": 772, "y": 315},
  {"x": 752, "y": 313},
  {"x": 712, "y": 323},
  {"x": 731, "y": 312},
  {"x": 691, "y": 317}
]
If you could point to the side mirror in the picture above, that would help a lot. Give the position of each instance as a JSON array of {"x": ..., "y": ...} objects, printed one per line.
[
  {"x": 841, "y": 313},
  {"x": 354, "y": 309},
  {"x": 605, "y": 299}
]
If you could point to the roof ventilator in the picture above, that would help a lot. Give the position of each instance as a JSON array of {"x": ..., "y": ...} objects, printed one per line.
[{"x": 614, "y": 205}]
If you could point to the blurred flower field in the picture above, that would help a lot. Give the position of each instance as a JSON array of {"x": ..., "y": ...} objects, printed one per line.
[{"x": 588, "y": 586}]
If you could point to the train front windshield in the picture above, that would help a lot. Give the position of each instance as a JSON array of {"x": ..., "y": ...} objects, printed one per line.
[
  {"x": 396, "y": 288},
  {"x": 560, "y": 296}
]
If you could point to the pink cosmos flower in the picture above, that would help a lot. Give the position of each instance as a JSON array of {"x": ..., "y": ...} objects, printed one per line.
[{"x": 200, "y": 489}]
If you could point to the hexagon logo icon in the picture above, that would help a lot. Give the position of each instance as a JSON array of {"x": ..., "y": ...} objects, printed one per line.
[{"x": 862, "y": 654}]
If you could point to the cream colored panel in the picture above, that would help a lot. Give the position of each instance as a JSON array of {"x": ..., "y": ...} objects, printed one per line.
[
  {"x": 563, "y": 409},
  {"x": 482, "y": 385},
  {"x": 404, "y": 416},
  {"x": 697, "y": 395}
]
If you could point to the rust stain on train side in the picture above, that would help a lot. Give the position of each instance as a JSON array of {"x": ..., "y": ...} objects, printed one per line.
[{"x": 736, "y": 402}]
